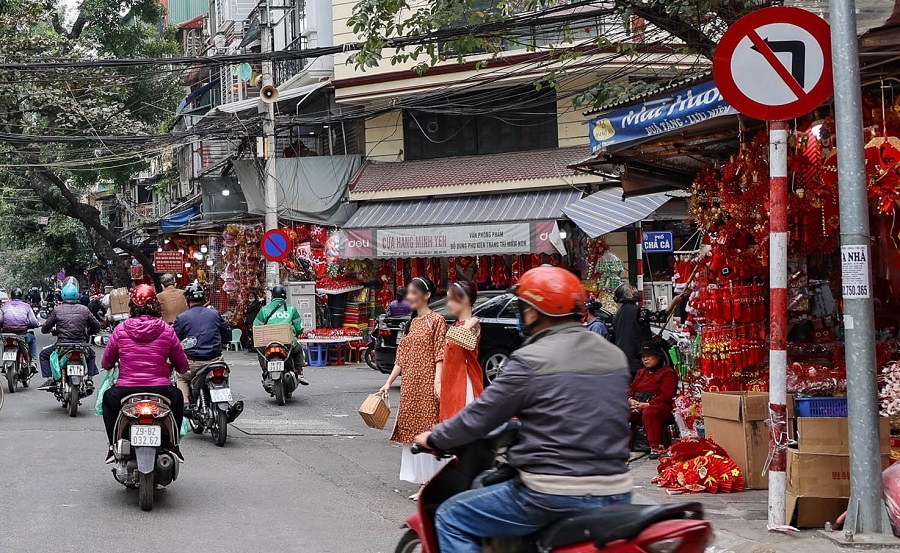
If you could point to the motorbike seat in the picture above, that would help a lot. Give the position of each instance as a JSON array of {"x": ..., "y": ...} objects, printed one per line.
[{"x": 608, "y": 524}]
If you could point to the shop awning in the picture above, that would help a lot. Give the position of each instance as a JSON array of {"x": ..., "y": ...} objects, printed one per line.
[
  {"x": 177, "y": 220},
  {"x": 606, "y": 211},
  {"x": 458, "y": 210}
]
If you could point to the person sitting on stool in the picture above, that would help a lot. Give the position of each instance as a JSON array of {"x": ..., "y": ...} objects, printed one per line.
[{"x": 651, "y": 396}]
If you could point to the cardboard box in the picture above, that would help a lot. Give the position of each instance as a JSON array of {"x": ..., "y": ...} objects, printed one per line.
[
  {"x": 737, "y": 422},
  {"x": 119, "y": 301},
  {"x": 831, "y": 436},
  {"x": 264, "y": 335},
  {"x": 820, "y": 475},
  {"x": 813, "y": 512}
]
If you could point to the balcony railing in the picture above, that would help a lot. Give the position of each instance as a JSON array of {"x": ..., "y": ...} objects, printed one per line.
[{"x": 285, "y": 70}]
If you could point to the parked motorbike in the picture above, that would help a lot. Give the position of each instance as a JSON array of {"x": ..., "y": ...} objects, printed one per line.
[
  {"x": 16, "y": 361},
  {"x": 145, "y": 434},
  {"x": 73, "y": 375},
  {"x": 210, "y": 404},
  {"x": 280, "y": 378},
  {"x": 368, "y": 354},
  {"x": 617, "y": 529}
]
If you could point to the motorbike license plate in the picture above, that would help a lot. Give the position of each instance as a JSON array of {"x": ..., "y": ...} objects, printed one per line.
[
  {"x": 10, "y": 355},
  {"x": 219, "y": 395},
  {"x": 146, "y": 435},
  {"x": 276, "y": 366},
  {"x": 400, "y": 335},
  {"x": 75, "y": 370}
]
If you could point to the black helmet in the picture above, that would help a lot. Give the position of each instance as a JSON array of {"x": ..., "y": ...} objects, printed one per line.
[
  {"x": 626, "y": 293},
  {"x": 278, "y": 291},
  {"x": 17, "y": 294},
  {"x": 594, "y": 306},
  {"x": 195, "y": 292}
]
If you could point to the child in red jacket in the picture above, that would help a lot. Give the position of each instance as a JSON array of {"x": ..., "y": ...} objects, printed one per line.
[{"x": 652, "y": 394}]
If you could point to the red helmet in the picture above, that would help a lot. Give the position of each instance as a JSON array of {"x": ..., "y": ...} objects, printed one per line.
[
  {"x": 142, "y": 294},
  {"x": 553, "y": 291}
]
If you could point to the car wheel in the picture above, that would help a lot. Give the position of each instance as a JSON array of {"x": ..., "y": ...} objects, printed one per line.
[{"x": 493, "y": 365}]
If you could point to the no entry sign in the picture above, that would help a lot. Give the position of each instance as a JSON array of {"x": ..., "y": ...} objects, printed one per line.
[
  {"x": 775, "y": 63},
  {"x": 276, "y": 245}
]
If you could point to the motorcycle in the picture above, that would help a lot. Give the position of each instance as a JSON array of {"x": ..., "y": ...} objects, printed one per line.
[
  {"x": 73, "y": 375},
  {"x": 676, "y": 528},
  {"x": 368, "y": 354},
  {"x": 280, "y": 378},
  {"x": 16, "y": 361},
  {"x": 210, "y": 405},
  {"x": 144, "y": 434}
]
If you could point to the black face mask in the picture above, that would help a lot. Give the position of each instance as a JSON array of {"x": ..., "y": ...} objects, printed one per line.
[{"x": 525, "y": 329}]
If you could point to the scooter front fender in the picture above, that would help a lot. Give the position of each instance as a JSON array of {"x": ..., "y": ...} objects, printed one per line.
[{"x": 146, "y": 459}]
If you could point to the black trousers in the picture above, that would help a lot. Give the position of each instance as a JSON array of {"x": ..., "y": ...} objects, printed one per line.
[{"x": 112, "y": 404}]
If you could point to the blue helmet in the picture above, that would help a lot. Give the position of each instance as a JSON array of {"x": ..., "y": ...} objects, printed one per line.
[{"x": 71, "y": 291}]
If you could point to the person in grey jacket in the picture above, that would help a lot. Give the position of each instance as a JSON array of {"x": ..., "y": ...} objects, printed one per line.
[
  {"x": 569, "y": 389},
  {"x": 74, "y": 324}
]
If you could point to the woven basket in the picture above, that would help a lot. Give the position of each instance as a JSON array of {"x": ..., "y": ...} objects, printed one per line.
[
  {"x": 462, "y": 337},
  {"x": 375, "y": 411}
]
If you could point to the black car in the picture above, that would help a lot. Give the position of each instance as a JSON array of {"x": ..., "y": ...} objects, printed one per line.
[{"x": 498, "y": 313}]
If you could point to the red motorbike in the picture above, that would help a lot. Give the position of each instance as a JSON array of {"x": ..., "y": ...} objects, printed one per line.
[{"x": 617, "y": 529}]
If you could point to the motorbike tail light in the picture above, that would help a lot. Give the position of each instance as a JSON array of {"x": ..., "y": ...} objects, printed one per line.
[
  {"x": 10, "y": 343},
  {"x": 146, "y": 411},
  {"x": 276, "y": 351},
  {"x": 665, "y": 546},
  {"x": 75, "y": 356},
  {"x": 384, "y": 331},
  {"x": 218, "y": 374}
]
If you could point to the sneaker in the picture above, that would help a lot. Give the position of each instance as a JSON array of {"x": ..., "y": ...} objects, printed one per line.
[
  {"x": 34, "y": 368},
  {"x": 178, "y": 455},
  {"x": 110, "y": 456},
  {"x": 302, "y": 380},
  {"x": 89, "y": 383},
  {"x": 48, "y": 386}
]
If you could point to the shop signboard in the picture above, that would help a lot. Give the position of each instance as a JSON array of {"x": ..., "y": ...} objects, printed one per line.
[
  {"x": 658, "y": 242},
  {"x": 168, "y": 262},
  {"x": 680, "y": 109},
  {"x": 452, "y": 241}
]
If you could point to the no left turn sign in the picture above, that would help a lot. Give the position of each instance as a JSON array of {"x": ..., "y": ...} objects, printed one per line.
[{"x": 775, "y": 63}]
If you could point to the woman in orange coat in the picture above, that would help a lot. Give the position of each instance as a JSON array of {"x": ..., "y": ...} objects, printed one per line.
[{"x": 460, "y": 380}]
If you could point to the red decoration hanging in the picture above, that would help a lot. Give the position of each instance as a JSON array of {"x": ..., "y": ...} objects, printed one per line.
[
  {"x": 483, "y": 274},
  {"x": 401, "y": 278}
]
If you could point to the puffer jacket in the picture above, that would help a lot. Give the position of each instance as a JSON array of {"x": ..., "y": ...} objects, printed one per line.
[
  {"x": 17, "y": 316},
  {"x": 143, "y": 347},
  {"x": 74, "y": 323}
]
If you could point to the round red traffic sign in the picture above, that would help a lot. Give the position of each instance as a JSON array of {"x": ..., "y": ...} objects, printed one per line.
[
  {"x": 276, "y": 245},
  {"x": 775, "y": 63}
]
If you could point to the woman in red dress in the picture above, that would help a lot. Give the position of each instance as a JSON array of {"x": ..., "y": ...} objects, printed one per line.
[{"x": 460, "y": 380}]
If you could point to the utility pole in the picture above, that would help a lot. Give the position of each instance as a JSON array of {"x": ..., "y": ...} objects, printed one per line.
[
  {"x": 865, "y": 511},
  {"x": 267, "y": 97}
]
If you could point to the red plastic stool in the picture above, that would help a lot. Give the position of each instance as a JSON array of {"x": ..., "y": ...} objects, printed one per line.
[{"x": 337, "y": 354}]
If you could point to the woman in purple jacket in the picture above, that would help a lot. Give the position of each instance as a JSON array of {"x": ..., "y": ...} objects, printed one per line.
[{"x": 146, "y": 349}]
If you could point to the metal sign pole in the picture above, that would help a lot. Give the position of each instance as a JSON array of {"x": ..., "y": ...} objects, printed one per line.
[
  {"x": 778, "y": 233},
  {"x": 865, "y": 512}
]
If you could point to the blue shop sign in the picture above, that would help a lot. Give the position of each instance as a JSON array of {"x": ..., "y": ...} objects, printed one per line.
[
  {"x": 678, "y": 110},
  {"x": 658, "y": 242}
]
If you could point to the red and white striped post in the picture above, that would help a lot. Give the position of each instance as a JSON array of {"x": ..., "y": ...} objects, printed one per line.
[
  {"x": 639, "y": 254},
  {"x": 778, "y": 233}
]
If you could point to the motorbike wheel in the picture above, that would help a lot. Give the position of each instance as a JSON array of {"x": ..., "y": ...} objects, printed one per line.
[
  {"x": 146, "y": 487},
  {"x": 409, "y": 543},
  {"x": 73, "y": 401},
  {"x": 279, "y": 391},
  {"x": 369, "y": 358},
  {"x": 219, "y": 427},
  {"x": 12, "y": 378}
]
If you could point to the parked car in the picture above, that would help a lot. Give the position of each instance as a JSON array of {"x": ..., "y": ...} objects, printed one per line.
[{"x": 500, "y": 336}]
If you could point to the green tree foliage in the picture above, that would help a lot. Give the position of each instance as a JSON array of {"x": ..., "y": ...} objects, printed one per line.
[{"x": 40, "y": 106}]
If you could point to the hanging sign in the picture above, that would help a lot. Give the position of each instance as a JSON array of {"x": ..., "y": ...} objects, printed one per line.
[
  {"x": 856, "y": 277},
  {"x": 276, "y": 245},
  {"x": 774, "y": 64},
  {"x": 680, "y": 109},
  {"x": 658, "y": 242},
  {"x": 168, "y": 262}
]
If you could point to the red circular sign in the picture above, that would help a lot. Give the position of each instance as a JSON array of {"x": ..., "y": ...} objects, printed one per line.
[
  {"x": 775, "y": 63},
  {"x": 276, "y": 245}
]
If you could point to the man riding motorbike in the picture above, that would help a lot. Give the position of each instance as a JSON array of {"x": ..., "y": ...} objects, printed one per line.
[
  {"x": 279, "y": 311},
  {"x": 569, "y": 388},
  {"x": 143, "y": 346},
  {"x": 74, "y": 323},
  {"x": 208, "y": 330},
  {"x": 17, "y": 317}
]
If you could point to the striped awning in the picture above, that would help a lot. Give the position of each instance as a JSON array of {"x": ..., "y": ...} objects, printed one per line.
[
  {"x": 458, "y": 210},
  {"x": 606, "y": 211}
]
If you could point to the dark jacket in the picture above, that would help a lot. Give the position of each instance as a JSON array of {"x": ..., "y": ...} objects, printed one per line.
[
  {"x": 74, "y": 323},
  {"x": 569, "y": 388},
  {"x": 630, "y": 333},
  {"x": 208, "y": 327}
]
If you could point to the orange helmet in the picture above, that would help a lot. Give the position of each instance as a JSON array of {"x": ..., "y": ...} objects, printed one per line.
[
  {"x": 142, "y": 294},
  {"x": 553, "y": 291}
]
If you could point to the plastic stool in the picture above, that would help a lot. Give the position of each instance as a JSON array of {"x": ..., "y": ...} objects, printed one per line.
[
  {"x": 337, "y": 354},
  {"x": 318, "y": 355}
]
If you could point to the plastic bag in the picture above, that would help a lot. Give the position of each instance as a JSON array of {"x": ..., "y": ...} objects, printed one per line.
[
  {"x": 185, "y": 427},
  {"x": 108, "y": 382},
  {"x": 54, "y": 366}
]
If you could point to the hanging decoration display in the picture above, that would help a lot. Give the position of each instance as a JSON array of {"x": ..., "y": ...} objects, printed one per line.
[{"x": 244, "y": 274}]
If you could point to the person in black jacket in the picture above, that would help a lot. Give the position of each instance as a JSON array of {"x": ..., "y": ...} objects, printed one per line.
[
  {"x": 74, "y": 324},
  {"x": 630, "y": 329}
]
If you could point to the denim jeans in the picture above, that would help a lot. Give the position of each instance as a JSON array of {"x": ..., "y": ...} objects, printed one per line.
[
  {"x": 506, "y": 510},
  {"x": 32, "y": 344}
]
